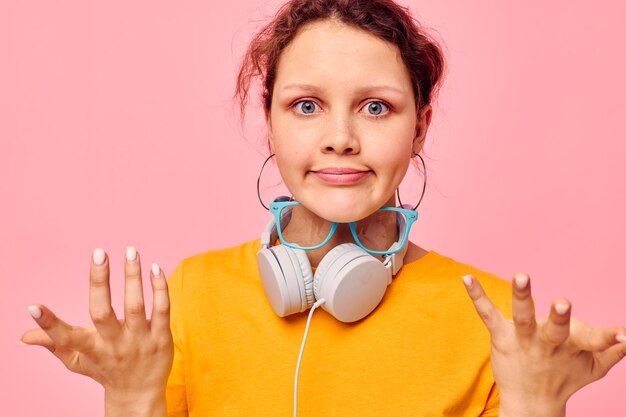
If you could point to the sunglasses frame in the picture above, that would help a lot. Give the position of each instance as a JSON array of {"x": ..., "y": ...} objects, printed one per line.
[{"x": 277, "y": 207}]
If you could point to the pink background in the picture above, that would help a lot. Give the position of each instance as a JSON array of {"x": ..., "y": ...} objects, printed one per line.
[{"x": 115, "y": 129}]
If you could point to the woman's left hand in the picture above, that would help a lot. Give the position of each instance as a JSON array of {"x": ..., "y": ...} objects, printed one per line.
[{"x": 539, "y": 363}]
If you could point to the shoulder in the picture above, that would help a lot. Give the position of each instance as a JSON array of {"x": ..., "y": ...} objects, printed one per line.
[
  {"x": 493, "y": 284},
  {"x": 233, "y": 262},
  {"x": 231, "y": 257},
  {"x": 439, "y": 274}
]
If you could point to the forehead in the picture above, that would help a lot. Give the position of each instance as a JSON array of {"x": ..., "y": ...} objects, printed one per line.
[{"x": 333, "y": 54}]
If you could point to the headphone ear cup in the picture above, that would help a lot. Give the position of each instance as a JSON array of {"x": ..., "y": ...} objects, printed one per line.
[
  {"x": 283, "y": 271},
  {"x": 307, "y": 276},
  {"x": 351, "y": 281}
]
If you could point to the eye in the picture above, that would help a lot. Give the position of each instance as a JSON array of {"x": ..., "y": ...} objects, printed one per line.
[
  {"x": 376, "y": 108},
  {"x": 307, "y": 106}
]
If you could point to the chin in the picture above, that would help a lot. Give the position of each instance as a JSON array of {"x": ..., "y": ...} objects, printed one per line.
[
  {"x": 340, "y": 216},
  {"x": 341, "y": 210}
]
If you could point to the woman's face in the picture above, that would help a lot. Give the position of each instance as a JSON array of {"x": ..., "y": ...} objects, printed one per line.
[{"x": 343, "y": 122}]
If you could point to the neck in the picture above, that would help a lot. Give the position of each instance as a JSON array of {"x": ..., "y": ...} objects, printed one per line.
[{"x": 308, "y": 229}]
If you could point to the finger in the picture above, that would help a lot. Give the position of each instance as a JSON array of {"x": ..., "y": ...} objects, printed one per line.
[
  {"x": 37, "y": 337},
  {"x": 40, "y": 338},
  {"x": 556, "y": 329},
  {"x": 490, "y": 315},
  {"x": 610, "y": 357},
  {"x": 134, "y": 308},
  {"x": 61, "y": 333},
  {"x": 523, "y": 307},
  {"x": 593, "y": 339},
  {"x": 100, "y": 309},
  {"x": 160, "y": 319}
]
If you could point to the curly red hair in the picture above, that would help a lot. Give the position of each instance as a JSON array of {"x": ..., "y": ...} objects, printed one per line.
[{"x": 383, "y": 18}]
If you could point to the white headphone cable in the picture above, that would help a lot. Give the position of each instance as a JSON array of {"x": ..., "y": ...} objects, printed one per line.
[{"x": 306, "y": 331}]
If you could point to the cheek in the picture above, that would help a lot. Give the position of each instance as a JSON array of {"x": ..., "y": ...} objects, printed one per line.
[
  {"x": 292, "y": 160},
  {"x": 396, "y": 170},
  {"x": 286, "y": 164},
  {"x": 392, "y": 157},
  {"x": 293, "y": 146}
]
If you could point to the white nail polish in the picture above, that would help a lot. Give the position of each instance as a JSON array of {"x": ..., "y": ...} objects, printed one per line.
[
  {"x": 621, "y": 338},
  {"x": 156, "y": 271},
  {"x": 561, "y": 308},
  {"x": 521, "y": 281},
  {"x": 98, "y": 256},
  {"x": 467, "y": 279},
  {"x": 34, "y": 311},
  {"x": 131, "y": 253}
]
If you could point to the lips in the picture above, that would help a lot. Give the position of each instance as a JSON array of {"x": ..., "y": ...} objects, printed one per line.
[{"x": 341, "y": 175}]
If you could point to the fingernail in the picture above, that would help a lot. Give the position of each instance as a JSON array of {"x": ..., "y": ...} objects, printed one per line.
[
  {"x": 621, "y": 338},
  {"x": 98, "y": 256},
  {"x": 131, "y": 253},
  {"x": 561, "y": 308},
  {"x": 22, "y": 343},
  {"x": 156, "y": 271},
  {"x": 467, "y": 279},
  {"x": 34, "y": 311},
  {"x": 521, "y": 281}
]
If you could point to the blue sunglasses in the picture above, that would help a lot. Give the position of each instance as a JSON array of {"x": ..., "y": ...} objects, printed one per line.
[{"x": 278, "y": 206}]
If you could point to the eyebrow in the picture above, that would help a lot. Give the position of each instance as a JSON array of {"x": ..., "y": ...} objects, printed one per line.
[{"x": 364, "y": 89}]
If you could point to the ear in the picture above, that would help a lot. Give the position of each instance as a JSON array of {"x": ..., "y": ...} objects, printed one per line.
[{"x": 424, "y": 117}]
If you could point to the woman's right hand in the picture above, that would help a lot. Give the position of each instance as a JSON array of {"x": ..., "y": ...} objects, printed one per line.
[{"x": 132, "y": 357}]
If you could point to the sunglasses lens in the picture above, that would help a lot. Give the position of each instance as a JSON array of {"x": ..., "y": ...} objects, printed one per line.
[
  {"x": 373, "y": 232},
  {"x": 306, "y": 235}
]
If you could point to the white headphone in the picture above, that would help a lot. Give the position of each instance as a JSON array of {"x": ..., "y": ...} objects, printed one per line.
[{"x": 351, "y": 281}]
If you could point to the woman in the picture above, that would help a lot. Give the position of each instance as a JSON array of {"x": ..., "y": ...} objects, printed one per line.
[{"x": 347, "y": 92}]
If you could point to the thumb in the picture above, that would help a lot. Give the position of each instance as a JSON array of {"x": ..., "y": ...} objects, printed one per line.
[{"x": 609, "y": 358}]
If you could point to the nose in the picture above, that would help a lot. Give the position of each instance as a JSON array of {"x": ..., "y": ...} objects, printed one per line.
[{"x": 341, "y": 137}]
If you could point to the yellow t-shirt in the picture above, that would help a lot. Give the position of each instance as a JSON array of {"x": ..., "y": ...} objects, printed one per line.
[{"x": 423, "y": 351}]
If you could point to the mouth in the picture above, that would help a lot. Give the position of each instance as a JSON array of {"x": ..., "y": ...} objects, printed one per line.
[{"x": 341, "y": 175}]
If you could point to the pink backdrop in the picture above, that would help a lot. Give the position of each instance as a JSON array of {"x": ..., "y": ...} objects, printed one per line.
[{"x": 115, "y": 129}]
